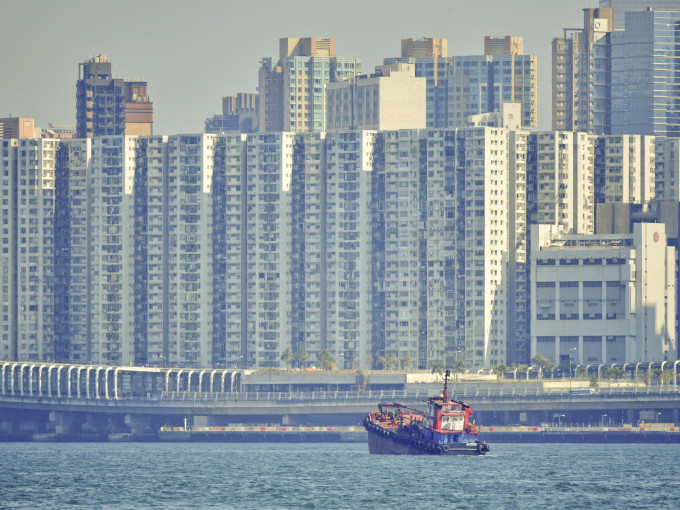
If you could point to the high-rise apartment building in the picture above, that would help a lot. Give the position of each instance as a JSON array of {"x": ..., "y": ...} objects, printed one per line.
[
  {"x": 203, "y": 250},
  {"x": 292, "y": 85},
  {"x": 110, "y": 250},
  {"x": 30, "y": 232},
  {"x": 17, "y": 127},
  {"x": 347, "y": 264},
  {"x": 560, "y": 180},
  {"x": 110, "y": 106},
  {"x": 391, "y": 98},
  {"x": 461, "y": 86},
  {"x": 581, "y": 66},
  {"x": 426, "y": 47},
  {"x": 625, "y": 169},
  {"x": 240, "y": 113},
  {"x": 508, "y": 45},
  {"x": 667, "y": 169},
  {"x": 429, "y": 55}
]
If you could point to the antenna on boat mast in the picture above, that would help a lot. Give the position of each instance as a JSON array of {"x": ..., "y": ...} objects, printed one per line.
[{"x": 446, "y": 382}]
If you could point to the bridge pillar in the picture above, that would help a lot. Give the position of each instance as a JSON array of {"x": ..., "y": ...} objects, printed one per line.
[
  {"x": 137, "y": 422},
  {"x": 62, "y": 421},
  {"x": 676, "y": 416},
  {"x": 206, "y": 421}
]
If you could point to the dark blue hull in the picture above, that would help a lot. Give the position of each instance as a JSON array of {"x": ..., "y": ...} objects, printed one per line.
[{"x": 384, "y": 441}]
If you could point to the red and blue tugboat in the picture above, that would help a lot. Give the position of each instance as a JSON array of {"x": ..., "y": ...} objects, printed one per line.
[{"x": 444, "y": 429}]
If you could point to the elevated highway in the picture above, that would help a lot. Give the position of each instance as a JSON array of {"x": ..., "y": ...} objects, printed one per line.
[{"x": 49, "y": 397}]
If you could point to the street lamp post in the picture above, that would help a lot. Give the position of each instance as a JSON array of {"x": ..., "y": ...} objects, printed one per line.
[
  {"x": 603, "y": 417},
  {"x": 570, "y": 378},
  {"x": 559, "y": 419},
  {"x": 657, "y": 417}
]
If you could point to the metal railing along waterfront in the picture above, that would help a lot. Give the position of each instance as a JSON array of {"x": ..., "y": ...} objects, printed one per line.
[{"x": 669, "y": 392}]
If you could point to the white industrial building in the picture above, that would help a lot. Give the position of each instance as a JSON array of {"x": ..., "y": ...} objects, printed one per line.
[{"x": 603, "y": 298}]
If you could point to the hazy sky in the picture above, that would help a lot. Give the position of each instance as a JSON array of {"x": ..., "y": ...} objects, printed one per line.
[{"x": 192, "y": 53}]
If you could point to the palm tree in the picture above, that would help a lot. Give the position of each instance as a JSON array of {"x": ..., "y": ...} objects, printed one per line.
[
  {"x": 457, "y": 368},
  {"x": 438, "y": 367}
]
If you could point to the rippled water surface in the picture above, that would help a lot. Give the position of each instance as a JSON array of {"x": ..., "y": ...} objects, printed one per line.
[{"x": 334, "y": 475}]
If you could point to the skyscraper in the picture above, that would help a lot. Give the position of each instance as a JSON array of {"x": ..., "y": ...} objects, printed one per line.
[
  {"x": 110, "y": 106},
  {"x": 645, "y": 75},
  {"x": 292, "y": 93},
  {"x": 621, "y": 7}
]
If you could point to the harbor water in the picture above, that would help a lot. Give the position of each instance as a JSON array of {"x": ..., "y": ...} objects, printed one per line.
[{"x": 335, "y": 475}]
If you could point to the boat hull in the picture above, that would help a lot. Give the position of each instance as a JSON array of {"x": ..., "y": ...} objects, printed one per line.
[{"x": 382, "y": 442}]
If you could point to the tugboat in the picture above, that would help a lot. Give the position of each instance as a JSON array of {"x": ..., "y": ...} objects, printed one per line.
[{"x": 444, "y": 429}]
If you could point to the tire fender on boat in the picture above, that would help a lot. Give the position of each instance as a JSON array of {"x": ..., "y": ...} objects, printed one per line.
[
  {"x": 480, "y": 448},
  {"x": 445, "y": 448}
]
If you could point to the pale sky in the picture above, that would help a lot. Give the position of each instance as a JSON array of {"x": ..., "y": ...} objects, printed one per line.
[{"x": 192, "y": 53}]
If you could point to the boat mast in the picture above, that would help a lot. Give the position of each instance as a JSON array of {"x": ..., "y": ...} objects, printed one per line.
[{"x": 446, "y": 381}]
